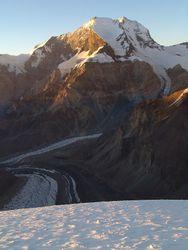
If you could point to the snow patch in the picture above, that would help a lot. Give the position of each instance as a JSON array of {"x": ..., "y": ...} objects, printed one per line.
[
  {"x": 80, "y": 58},
  {"x": 39, "y": 53},
  {"x": 38, "y": 46},
  {"x": 131, "y": 58},
  {"x": 67, "y": 66},
  {"x": 100, "y": 58},
  {"x": 14, "y": 63},
  {"x": 38, "y": 56}
]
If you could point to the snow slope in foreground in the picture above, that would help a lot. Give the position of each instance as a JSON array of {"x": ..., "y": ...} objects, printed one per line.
[{"x": 104, "y": 225}]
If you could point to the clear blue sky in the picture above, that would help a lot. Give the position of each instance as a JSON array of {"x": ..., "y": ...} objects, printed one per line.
[{"x": 25, "y": 23}]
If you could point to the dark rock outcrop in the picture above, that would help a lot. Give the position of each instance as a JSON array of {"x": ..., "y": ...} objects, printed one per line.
[{"x": 179, "y": 78}]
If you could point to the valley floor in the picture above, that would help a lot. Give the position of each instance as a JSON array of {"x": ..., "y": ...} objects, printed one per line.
[
  {"x": 54, "y": 181},
  {"x": 159, "y": 224},
  {"x": 42, "y": 186}
]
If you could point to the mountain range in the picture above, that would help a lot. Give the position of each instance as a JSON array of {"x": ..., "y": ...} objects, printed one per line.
[{"x": 110, "y": 78}]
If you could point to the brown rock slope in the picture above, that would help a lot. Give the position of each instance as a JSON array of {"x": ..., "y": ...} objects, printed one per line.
[
  {"x": 41, "y": 65},
  {"x": 12, "y": 85},
  {"x": 82, "y": 102},
  {"x": 179, "y": 78},
  {"x": 146, "y": 157}
]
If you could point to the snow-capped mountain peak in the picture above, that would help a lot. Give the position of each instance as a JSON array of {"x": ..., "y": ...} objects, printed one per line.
[
  {"x": 121, "y": 33},
  {"x": 107, "y": 40},
  {"x": 130, "y": 40}
]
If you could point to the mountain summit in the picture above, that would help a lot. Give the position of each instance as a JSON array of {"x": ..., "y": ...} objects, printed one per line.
[
  {"x": 102, "y": 40},
  {"x": 126, "y": 40}
]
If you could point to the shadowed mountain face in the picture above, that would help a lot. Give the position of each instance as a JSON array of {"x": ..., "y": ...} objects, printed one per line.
[
  {"x": 108, "y": 77},
  {"x": 87, "y": 100},
  {"x": 145, "y": 157}
]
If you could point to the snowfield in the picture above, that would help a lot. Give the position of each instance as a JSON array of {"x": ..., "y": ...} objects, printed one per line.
[
  {"x": 105, "y": 225},
  {"x": 80, "y": 58}
]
